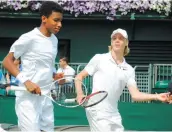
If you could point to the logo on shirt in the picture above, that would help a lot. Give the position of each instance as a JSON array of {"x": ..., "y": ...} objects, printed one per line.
[{"x": 122, "y": 67}]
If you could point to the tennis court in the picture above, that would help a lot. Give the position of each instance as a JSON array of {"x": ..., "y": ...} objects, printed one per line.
[
  {"x": 11, "y": 127},
  {"x": 146, "y": 116},
  {"x": 136, "y": 116}
]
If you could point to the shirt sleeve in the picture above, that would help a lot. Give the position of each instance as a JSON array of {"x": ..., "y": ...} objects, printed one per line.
[
  {"x": 131, "y": 81},
  {"x": 92, "y": 65},
  {"x": 20, "y": 46}
]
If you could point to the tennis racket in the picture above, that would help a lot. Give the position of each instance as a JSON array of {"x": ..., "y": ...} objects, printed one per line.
[
  {"x": 91, "y": 99},
  {"x": 64, "y": 93}
]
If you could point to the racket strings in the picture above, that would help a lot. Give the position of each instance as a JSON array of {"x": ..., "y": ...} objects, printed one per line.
[
  {"x": 62, "y": 92},
  {"x": 96, "y": 98}
]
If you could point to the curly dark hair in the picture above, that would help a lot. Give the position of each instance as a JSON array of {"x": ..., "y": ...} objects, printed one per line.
[{"x": 48, "y": 7}]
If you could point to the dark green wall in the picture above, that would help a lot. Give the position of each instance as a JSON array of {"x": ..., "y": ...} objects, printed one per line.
[{"x": 91, "y": 36}]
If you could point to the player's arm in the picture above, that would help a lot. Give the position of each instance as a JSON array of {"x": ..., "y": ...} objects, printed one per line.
[
  {"x": 18, "y": 49},
  {"x": 140, "y": 96},
  {"x": 90, "y": 69},
  {"x": 8, "y": 64},
  {"x": 78, "y": 85}
]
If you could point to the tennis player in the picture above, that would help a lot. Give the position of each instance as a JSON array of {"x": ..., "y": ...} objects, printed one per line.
[
  {"x": 112, "y": 73},
  {"x": 37, "y": 49}
]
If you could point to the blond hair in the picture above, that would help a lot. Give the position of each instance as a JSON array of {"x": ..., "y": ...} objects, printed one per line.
[{"x": 126, "y": 49}]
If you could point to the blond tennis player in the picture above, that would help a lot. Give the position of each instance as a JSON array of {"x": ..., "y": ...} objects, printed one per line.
[{"x": 112, "y": 73}]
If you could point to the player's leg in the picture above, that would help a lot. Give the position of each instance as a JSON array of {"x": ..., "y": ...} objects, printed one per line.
[
  {"x": 27, "y": 110},
  {"x": 47, "y": 115},
  {"x": 92, "y": 120},
  {"x": 116, "y": 123},
  {"x": 101, "y": 122}
]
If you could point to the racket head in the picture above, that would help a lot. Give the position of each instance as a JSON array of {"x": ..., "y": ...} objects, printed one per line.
[
  {"x": 64, "y": 93},
  {"x": 94, "y": 98}
]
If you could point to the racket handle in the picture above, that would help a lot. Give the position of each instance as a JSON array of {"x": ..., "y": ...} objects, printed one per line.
[
  {"x": 16, "y": 88},
  {"x": 70, "y": 100}
]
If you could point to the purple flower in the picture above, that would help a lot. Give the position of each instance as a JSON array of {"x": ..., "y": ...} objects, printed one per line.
[
  {"x": 17, "y": 5},
  {"x": 107, "y": 7}
]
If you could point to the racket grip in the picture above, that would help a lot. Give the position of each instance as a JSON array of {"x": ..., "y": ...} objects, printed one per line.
[
  {"x": 70, "y": 100},
  {"x": 16, "y": 88}
]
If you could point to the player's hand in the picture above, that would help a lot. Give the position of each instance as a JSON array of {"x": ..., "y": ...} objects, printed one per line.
[
  {"x": 80, "y": 98},
  {"x": 32, "y": 87},
  {"x": 170, "y": 99},
  {"x": 163, "y": 97}
]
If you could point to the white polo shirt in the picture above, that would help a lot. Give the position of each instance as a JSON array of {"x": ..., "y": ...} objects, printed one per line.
[
  {"x": 38, "y": 54},
  {"x": 109, "y": 76},
  {"x": 68, "y": 70}
]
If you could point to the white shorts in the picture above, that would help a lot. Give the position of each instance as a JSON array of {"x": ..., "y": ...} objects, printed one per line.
[
  {"x": 104, "y": 122},
  {"x": 34, "y": 113}
]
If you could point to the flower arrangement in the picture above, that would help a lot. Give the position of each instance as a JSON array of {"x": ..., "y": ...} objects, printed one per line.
[{"x": 107, "y": 7}]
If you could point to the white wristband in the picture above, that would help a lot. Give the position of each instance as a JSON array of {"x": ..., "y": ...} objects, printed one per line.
[{"x": 21, "y": 77}]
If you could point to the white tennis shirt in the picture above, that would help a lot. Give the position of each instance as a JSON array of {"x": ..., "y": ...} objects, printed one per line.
[
  {"x": 109, "y": 76},
  {"x": 38, "y": 54},
  {"x": 68, "y": 70}
]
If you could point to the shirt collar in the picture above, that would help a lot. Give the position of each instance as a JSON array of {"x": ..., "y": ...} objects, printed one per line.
[
  {"x": 121, "y": 65},
  {"x": 66, "y": 67},
  {"x": 40, "y": 33}
]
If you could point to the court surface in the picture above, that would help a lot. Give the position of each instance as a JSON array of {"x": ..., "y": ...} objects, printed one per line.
[{"x": 67, "y": 128}]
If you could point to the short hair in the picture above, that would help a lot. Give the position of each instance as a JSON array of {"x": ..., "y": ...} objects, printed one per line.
[
  {"x": 48, "y": 7},
  {"x": 65, "y": 59}
]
